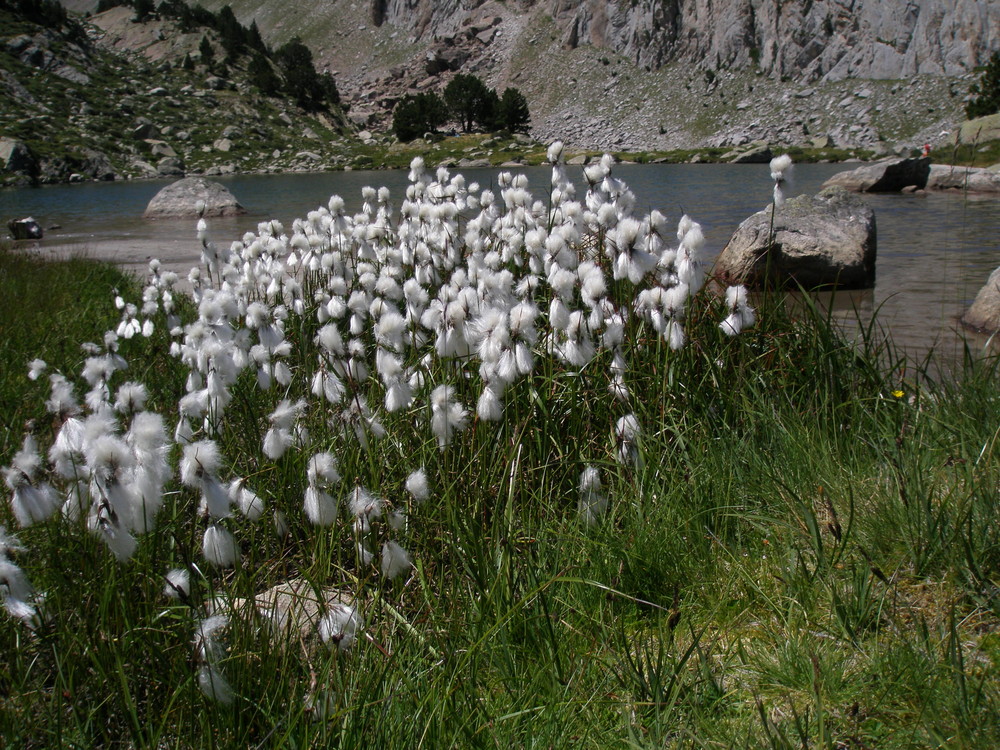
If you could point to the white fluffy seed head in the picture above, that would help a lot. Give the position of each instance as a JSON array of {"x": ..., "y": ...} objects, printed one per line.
[{"x": 416, "y": 485}]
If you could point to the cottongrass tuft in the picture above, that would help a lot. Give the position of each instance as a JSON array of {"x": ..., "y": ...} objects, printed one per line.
[
  {"x": 219, "y": 546},
  {"x": 593, "y": 503},
  {"x": 395, "y": 560},
  {"x": 339, "y": 628},
  {"x": 177, "y": 583}
]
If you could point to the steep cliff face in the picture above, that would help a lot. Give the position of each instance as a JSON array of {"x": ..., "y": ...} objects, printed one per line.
[{"x": 807, "y": 40}]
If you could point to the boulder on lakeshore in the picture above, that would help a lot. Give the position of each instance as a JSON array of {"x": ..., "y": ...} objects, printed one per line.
[
  {"x": 984, "y": 314},
  {"x": 25, "y": 229},
  {"x": 965, "y": 179},
  {"x": 826, "y": 240},
  {"x": 193, "y": 196},
  {"x": 17, "y": 158},
  {"x": 170, "y": 166},
  {"x": 886, "y": 176}
]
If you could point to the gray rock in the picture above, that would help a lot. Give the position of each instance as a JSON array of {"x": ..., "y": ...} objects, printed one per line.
[
  {"x": 886, "y": 176},
  {"x": 161, "y": 148},
  {"x": 980, "y": 129},
  {"x": 144, "y": 168},
  {"x": 25, "y": 229},
  {"x": 758, "y": 154},
  {"x": 984, "y": 314},
  {"x": 145, "y": 131},
  {"x": 445, "y": 58},
  {"x": 97, "y": 165},
  {"x": 16, "y": 157},
  {"x": 182, "y": 198},
  {"x": 223, "y": 144},
  {"x": 966, "y": 179},
  {"x": 170, "y": 166},
  {"x": 71, "y": 74},
  {"x": 818, "y": 241}
]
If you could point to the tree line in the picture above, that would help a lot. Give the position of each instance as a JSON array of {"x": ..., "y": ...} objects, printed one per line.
[
  {"x": 50, "y": 14},
  {"x": 288, "y": 70},
  {"x": 467, "y": 101}
]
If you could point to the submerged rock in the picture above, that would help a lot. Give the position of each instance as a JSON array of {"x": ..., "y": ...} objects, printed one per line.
[
  {"x": 824, "y": 240},
  {"x": 185, "y": 198},
  {"x": 886, "y": 176},
  {"x": 984, "y": 314}
]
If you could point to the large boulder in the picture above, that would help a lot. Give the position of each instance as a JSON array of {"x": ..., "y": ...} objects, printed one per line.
[
  {"x": 96, "y": 164},
  {"x": 170, "y": 166},
  {"x": 967, "y": 179},
  {"x": 16, "y": 157},
  {"x": 25, "y": 229},
  {"x": 824, "y": 240},
  {"x": 886, "y": 176},
  {"x": 187, "y": 197},
  {"x": 980, "y": 130},
  {"x": 984, "y": 314}
]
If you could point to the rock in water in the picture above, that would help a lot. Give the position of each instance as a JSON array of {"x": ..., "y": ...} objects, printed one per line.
[
  {"x": 826, "y": 240},
  {"x": 984, "y": 315},
  {"x": 182, "y": 198},
  {"x": 886, "y": 176},
  {"x": 25, "y": 229}
]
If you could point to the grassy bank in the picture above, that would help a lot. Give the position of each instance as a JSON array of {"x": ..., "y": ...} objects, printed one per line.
[
  {"x": 799, "y": 545},
  {"x": 496, "y": 149}
]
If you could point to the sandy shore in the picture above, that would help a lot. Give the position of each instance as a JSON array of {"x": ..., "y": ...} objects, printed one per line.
[{"x": 132, "y": 255}]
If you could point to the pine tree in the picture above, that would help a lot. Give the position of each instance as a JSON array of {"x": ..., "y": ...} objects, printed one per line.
[
  {"x": 419, "y": 114},
  {"x": 206, "y": 52},
  {"x": 513, "y": 112},
  {"x": 468, "y": 100},
  {"x": 986, "y": 91}
]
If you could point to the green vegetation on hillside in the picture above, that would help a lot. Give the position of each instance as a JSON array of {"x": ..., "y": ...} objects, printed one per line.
[
  {"x": 80, "y": 114},
  {"x": 986, "y": 91}
]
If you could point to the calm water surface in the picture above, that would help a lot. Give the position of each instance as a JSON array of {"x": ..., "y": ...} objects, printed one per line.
[{"x": 934, "y": 251}]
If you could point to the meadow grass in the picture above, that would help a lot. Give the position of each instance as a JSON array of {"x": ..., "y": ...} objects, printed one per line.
[{"x": 804, "y": 554}]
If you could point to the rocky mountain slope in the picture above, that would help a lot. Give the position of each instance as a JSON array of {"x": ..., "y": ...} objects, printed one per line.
[
  {"x": 661, "y": 74},
  {"x": 111, "y": 99}
]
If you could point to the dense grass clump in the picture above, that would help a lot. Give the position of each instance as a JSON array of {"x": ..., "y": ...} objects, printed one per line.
[{"x": 651, "y": 532}]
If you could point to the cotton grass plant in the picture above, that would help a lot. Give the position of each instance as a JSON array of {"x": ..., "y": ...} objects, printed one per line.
[{"x": 511, "y": 450}]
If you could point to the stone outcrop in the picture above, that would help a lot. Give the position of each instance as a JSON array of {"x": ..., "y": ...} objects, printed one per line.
[
  {"x": 25, "y": 229},
  {"x": 886, "y": 176},
  {"x": 965, "y": 179},
  {"x": 825, "y": 240},
  {"x": 822, "y": 39},
  {"x": 984, "y": 314},
  {"x": 980, "y": 129},
  {"x": 17, "y": 159},
  {"x": 185, "y": 198}
]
